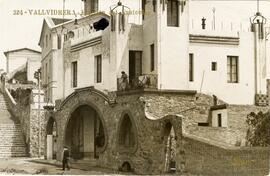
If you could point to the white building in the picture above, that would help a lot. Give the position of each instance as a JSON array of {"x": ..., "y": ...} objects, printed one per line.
[
  {"x": 23, "y": 59},
  {"x": 229, "y": 63}
]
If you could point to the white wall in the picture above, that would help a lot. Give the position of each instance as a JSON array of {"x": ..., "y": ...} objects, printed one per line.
[
  {"x": 173, "y": 51},
  {"x": 19, "y": 58},
  {"x": 215, "y": 82},
  {"x": 224, "y": 117},
  {"x": 32, "y": 66}
]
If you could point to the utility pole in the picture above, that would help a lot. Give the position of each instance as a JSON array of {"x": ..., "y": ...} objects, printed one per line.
[{"x": 37, "y": 75}]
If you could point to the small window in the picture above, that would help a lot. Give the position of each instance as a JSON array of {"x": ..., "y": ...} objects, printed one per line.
[
  {"x": 214, "y": 66},
  {"x": 219, "y": 120},
  {"x": 74, "y": 73},
  {"x": 191, "y": 67},
  {"x": 98, "y": 69},
  {"x": 232, "y": 69},
  {"x": 152, "y": 55}
]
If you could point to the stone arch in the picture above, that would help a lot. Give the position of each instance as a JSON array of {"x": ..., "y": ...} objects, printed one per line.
[
  {"x": 170, "y": 146},
  {"x": 51, "y": 138},
  {"x": 99, "y": 147},
  {"x": 126, "y": 167},
  {"x": 91, "y": 97},
  {"x": 127, "y": 133}
]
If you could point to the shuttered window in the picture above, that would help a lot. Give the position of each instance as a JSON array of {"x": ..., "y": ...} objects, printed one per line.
[
  {"x": 74, "y": 73},
  {"x": 232, "y": 69},
  {"x": 173, "y": 13},
  {"x": 98, "y": 69}
]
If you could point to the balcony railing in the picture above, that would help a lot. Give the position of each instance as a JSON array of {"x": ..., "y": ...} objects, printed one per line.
[{"x": 141, "y": 82}]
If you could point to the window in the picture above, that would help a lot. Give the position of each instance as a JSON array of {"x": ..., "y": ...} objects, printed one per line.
[
  {"x": 232, "y": 69},
  {"x": 94, "y": 6},
  {"x": 126, "y": 133},
  {"x": 143, "y": 8},
  {"x": 214, "y": 66},
  {"x": 74, "y": 73},
  {"x": 152, "y": 55},
  {"x": 59, "y": 41},
  {"x": 154, "y": 5},
  {"x": 50, "y": 71},
  {"x": 98, "y": 69},
  {"x": 46, "y": 73},
  {"x": 46, "y": 42},
  {"x": 219, "y": 120},
  {"x": 173, "y": 13},
  {"x": 191, "y": 67}
]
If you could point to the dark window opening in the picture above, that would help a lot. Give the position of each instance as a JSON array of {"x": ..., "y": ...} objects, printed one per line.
[
  {"x": 154, "y": 5},
  {"x": 126, "y": 133},
  {"x": 152, "y": 55},
  {"x": 94, "y": 6},
  {"x": 173, "y": 13},
  {"x": 214, "y": 66},
  {"x": 219, "y": 120},
  {"x": 143, "y": 8},
  {"x": 191, "y": 67},
  {"x": 98, "y": 67},
  {"x": 74, "y": 74},
  {"x": 58, "y": 41}
]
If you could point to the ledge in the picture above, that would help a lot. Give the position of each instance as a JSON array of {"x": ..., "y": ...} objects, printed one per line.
[
  {"x": 224, "y": 40},
  {"x": 218, "y": 107},
  {"x": 156, "y": 91}
]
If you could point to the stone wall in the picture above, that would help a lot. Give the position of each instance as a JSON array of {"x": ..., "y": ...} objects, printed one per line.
[
  {"x": 148, "y": 155},
  {"x": 150, "y": 112},
  {"x": 34, "y": 128},
  {"x": 206, "y": 158},
  {"x": 27, "y": 114}
]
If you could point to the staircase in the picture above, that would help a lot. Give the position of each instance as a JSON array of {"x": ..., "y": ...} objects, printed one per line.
[{"x": 11, "y": 137}]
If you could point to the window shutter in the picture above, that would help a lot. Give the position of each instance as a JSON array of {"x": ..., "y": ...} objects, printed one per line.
[
  {"x": 123, "y": 21},
  {"x": 120, "y": 21},
  {"x": 112, "y": 22}
]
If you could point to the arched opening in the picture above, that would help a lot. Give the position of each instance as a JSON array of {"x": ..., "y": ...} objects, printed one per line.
[
  {"x": 126, "y": 167},
  {"x": 51, "y": 138},
  {"x": 85, "y": 136},
  {"x": 170, "y": 148},
  {"x": 126, "y": 140}
]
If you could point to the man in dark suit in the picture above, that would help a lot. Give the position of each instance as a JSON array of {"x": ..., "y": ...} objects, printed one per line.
[{"x": 65, "y": 160}]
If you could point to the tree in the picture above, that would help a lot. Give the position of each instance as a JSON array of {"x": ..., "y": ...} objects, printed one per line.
[{"x": 258, "y": 133}]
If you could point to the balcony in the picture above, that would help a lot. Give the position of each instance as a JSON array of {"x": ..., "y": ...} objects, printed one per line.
[{"x": 145, "y": 81}]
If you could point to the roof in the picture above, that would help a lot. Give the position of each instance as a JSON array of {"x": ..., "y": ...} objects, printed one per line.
[
  {"x": 57, "y": 21},
  {"x": 53, "y": 23},
  {"x": 20, "y": 49}
]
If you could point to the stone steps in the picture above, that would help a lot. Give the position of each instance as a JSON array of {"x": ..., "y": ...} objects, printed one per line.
[{"x": 12, "y": 142}]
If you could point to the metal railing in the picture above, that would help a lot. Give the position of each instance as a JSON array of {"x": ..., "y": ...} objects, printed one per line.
[{"x": 140, "y": 82}]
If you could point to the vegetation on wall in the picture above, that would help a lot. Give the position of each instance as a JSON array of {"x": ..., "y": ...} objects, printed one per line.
[{"x": 258, "y": 133}]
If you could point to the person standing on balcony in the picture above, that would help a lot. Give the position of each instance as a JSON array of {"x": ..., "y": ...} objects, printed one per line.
[{"x": 124, "y": 82}]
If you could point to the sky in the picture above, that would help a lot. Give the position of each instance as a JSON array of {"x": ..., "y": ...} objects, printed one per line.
[{"x": 19, "y": 31}]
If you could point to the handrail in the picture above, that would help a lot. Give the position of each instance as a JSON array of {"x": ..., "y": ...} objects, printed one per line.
[{"x": 10, "y": 96}]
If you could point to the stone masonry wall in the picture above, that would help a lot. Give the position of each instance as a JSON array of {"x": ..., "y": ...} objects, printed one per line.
[
  {"x": 148, "y": 156},
  {"x": 149, "y": 113},
  {"x": 34, "y": 133},
  {"x": 205, "y": 158}
]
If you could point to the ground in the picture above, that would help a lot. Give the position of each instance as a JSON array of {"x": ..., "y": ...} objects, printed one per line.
[
  {"x": 20, "y": 166},
  {"x": 37, "y": 166}
]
